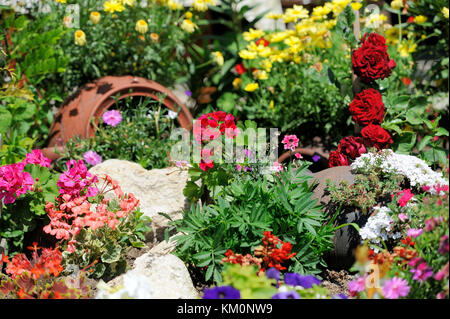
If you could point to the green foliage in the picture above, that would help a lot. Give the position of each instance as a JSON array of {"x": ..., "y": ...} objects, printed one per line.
[
  {"x": 105, "y": 248},
  {"x": 141, "y": 137},
  {"x": 410, "y": 117},
  {"x": 114, "y": 47},
  {"x": 367, "y": 190},
  {"x": 243, "y": 211},
  {"x": 246, "y": 280}
]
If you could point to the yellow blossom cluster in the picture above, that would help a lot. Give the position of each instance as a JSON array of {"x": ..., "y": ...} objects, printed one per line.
[{"x": 309, "y": 31}]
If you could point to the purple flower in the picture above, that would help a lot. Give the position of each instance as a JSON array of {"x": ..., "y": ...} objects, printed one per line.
[
  {"x": 92, "y": 158},
  {"x": 188, "y": 93},
  {"x": 340, "y": 296},
  {"x": 286, "y": 295},
  {"x": 414, "y": 232},
  {"x": 223, "y": 292},
  {"x": 316, "y": 158},
  {"x": 273, "y": 273},
  {"x": 422, "y": 272},
  {"x": 395, "y": 287},
  {"x": 295, "y": 279},
  {"x": 112, "y": 117},
  {"x": 357, "y": 285}
]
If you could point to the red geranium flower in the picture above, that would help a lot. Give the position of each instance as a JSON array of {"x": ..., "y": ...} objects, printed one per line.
[{"x": 240, "y": 68}]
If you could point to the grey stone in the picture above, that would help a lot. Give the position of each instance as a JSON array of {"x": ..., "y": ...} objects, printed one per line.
[
  {"x": 158, "y": 190},
  {"x": 167, "y": 275}
]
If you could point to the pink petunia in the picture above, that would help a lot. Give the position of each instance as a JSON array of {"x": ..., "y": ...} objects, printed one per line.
[
  {"x": 395, "y": 288},
  {"x": 357, "y": 285},
  {"x": 112, "y": 117},
  {"x": 413, "y": 232},
  {"x": 92, "y": 158},
  {"x": 402, "y": 217}
]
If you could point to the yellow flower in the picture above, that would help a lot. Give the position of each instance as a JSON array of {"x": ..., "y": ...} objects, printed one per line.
[
  {"x": 420, "y": 19},
  {"x": 248, "y": 55},
  {"x": 295, "y": 13},
  {"x": 375, "y": 20},
  {"x": 202, "y": 5},
  {"x": 237, "y": 83},
  {"x": 274, "y": 16},
  {"x": 141, "y": 26},
  {"x": 113, "y": 6},
  {"x": 251, "y": 87},
  {"x": 356, "y": 5},
  {"x": 94, "y": 17},
  {"x": 260, "y": 74},
  {"x": 271, "y": 104},
  {"x": 406, "y": 48},
  {"x": 252, "y": 34},
  {"x": 445, "y": 12},
  {"x": 397, "y": 4},
  {"x": 154, "y": 37},
  {"x": 321, "y": 11},
  {"x": 174, "y": 5},
  {"x": 129, "y": 2},
  {"x": 188, "y": 26},
  {"x": 80, "y": 38},
  {"x": 61, "y": 1},
  {"x": 189, "y": 15},
  {"x": 218, "y": 58},
  {"x": 266, "y": 65}
]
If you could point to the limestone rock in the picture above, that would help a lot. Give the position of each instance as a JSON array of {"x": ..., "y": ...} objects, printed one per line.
[
  {"x": 158, "y": 190},
  {"x": 167, "y": 275}
]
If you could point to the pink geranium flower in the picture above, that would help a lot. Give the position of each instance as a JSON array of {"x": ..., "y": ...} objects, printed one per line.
[
  {"x": 290, "y": 142},
  {"x": 402, "y": 217},
  {"x": 36, "y": 157},
  {"x": 276, "y": 167},
  {"x": 92, "y": 158},
  {"x": 112, "y": 117},
  {"x": 395, "y": 288},
  {"x": 14, "y": 182}
]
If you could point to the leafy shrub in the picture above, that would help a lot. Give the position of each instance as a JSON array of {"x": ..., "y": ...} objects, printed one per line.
[
  {"x": 142, "y": 136},
  {"x": 244, "y": 211}
]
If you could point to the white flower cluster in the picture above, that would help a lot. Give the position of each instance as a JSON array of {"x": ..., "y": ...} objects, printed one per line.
[
  {"x": 379, "y": 227},
  {"x": 414, "y": 169},
  {"x": 135, "y": 286}
]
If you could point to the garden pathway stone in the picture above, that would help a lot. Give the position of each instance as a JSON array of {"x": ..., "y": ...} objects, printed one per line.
[
  {"x": 167, "y": 274},
  {"x": 158, "y": 190}
]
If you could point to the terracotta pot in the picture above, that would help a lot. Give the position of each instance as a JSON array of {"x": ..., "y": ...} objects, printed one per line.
[{"x": 93, "y": 99}]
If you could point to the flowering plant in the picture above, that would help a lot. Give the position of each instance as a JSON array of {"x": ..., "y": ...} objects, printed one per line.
[
  {"x": 24, "y": 188},
  {"x": 140, "y": 134},
  {"x": 93, "y": 228},
  {"x": 247, "y": 210},
  {"x": 40, "y": 278}
]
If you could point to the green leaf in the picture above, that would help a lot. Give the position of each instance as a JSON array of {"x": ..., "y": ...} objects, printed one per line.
[
  {"x": 405, "y": 143},
  {"x": 5, "y": 120},
  {"x": 112, "y": 253}
]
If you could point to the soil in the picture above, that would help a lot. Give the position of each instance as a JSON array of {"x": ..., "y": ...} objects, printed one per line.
[{"x": 336, "y": 281}]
